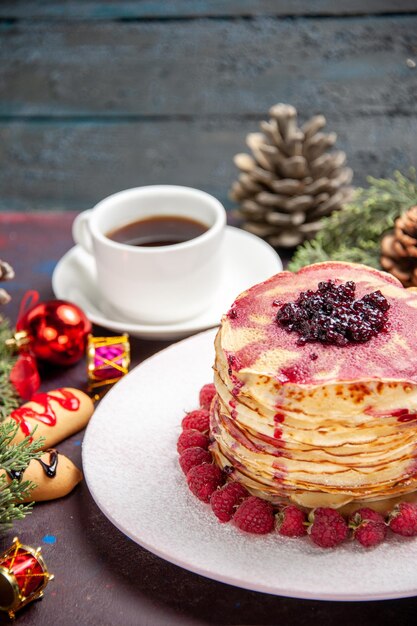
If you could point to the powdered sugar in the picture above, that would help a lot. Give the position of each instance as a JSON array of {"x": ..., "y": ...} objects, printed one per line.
[{"x": 131, "y": 467}]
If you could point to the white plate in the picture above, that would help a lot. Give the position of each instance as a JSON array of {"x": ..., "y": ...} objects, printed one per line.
[
  {"x": 131, "y": 467},
  {"x": 248, "y": 260}
]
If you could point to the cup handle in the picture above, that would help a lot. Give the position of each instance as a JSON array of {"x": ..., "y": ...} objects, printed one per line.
[{"x": 81, "y": 231}]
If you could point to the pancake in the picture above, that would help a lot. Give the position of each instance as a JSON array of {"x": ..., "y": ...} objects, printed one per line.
[{"x": 317, "y": 424}]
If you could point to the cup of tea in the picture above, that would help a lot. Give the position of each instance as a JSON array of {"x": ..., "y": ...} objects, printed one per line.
[{"x": 158, "y": 251}]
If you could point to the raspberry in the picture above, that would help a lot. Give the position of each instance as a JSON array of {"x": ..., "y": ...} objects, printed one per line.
[
  {"x": 332, "y": 316},
  {"x": 291, "y": 521},
  {"x": 197, "y": 420},
  {"x": 192, "y": 439},
  {"x": 403, "y": 519},
  {"x": 328, "y": 528},
  {"x": 255, "y": 515},
  {"x": 207, "y": 393},
  {"x": 368, "y": 526},
  {"x": 203, "y": 480},
  {"x": 225, "y": 501},
  {"x": 194, "y": 456}
]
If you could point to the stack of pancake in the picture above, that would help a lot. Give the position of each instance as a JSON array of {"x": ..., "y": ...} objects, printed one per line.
[{"x": 317, "y": 424}]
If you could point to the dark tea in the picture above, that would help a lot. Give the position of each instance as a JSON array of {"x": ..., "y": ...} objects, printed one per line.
[{"x": 161, "y": 230}]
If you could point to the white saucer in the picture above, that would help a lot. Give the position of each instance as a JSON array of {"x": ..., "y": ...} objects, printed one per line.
[{"x": 248, "y": 260}]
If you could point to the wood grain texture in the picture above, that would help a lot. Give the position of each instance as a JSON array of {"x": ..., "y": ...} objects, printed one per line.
[
  {"x": 74, "y": 165},
  {"x": 342, "y": 67},
  {"x": 163, "y": 9},
  {"x": 98, "y": 104}
]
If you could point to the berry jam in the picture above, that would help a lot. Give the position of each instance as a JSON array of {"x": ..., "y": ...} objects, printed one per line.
[{"x": 332, "y": 316}]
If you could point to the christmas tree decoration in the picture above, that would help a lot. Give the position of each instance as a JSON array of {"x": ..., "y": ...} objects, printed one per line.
[
  {"x": 399, "y": 249},
  {"x": 54, "y": 331},
  {"x": 355, "y": 234},
  {"x": 291, "y": 180},
  {"x": 23, "y": 577},
  {"x": 25, "y": 376},
  {"x": 108, "y": 359}
]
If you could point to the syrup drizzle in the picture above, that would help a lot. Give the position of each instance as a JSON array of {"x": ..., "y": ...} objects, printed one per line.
[
  {"x": 15, "y": 474},
  {"x": 49, "y": 468},
  {"x": 69, "y": 402}
]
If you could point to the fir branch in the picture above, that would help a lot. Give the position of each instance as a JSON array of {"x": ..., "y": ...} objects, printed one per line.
[
  {"x": 354, "y": 234},
  {"x": 9, "y": 399},
  {"x": 18, "y": 455},
  {"x": 15, "y": 457},
  {"x": 10, "y": 495}
]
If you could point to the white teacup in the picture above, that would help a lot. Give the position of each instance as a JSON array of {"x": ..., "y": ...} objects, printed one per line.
[{"x": 162, "y": 284}]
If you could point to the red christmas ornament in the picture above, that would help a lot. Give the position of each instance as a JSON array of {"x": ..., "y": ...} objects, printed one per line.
[
  {"x": 23, "y": 577},
  {"x": 55, "y": 331},
  {"x": 25, "y": 376}
]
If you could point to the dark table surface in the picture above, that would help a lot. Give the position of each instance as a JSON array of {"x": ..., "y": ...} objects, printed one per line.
[{"x": 101, "y": 577}]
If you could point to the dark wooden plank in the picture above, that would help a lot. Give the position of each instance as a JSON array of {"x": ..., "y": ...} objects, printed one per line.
[
  {"x": 161, "y": 9},
  {"x": 73, "y": 165},
  {"x": 346, "y": 66}
]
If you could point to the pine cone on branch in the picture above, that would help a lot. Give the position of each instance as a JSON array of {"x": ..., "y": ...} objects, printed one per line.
[
  {"x": 291, "y": 180},
  {"x": 399, "y": 249}
]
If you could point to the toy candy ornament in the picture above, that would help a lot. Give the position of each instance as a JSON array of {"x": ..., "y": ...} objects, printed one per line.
[
  {"x": 23, "y": 577},
  {"x": 108, "y": 359}
]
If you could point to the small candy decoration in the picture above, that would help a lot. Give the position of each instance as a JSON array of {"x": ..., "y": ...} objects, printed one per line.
[
  {"x": 23, "y": 577},
  {"x": 108, "y": 359}
]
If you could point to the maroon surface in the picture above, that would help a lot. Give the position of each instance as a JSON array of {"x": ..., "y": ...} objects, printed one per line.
[{"x": 101, "y": 577}]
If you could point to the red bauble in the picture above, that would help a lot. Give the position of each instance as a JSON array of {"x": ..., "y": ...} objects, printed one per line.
[
  {"x": 25, "y": 376},
  {"x": 56, "y": 331}
]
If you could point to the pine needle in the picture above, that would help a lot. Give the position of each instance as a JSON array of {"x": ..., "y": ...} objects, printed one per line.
[
  {"x": 9, "y": 399},
  {"x": 13, "y": 457},
  {"x": 10, "y": 494},
  {"x": 18, "y": 455},
  {"x": 354, "y": 234}
]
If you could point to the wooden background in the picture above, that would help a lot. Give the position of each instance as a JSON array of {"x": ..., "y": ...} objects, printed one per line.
[{"x": 101, "y": 96}]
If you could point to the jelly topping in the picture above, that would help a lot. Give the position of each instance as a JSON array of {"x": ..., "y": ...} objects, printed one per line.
[{"x": 331, "y": 315}]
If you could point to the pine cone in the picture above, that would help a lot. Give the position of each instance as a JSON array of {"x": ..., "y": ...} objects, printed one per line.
[
  {"x": 6, "y": 273},
  {"x": 4, "y": 297},
  {"x": 291, "y": 181},
  {"x": 399, "y": 249}
]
